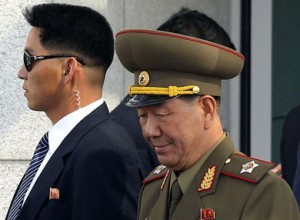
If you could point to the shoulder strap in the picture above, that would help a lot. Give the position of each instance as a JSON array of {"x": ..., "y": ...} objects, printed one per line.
[
  {"x": 246, "y": 168},
  {"x": 158, "y": 173}
]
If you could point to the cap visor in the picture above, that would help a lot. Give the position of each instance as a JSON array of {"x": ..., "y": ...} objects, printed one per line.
[{"x": 146, "y": 100}]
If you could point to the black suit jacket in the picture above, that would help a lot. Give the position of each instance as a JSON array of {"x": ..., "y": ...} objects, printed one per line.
[
  {"x": 289, "y": 145},
  {"x": 296, "y": 187},
  {"x": 128, "y": 118},
  {"x": 95, "y": 170}
]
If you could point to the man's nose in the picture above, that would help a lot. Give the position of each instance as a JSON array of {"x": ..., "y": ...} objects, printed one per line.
[
  {"x": 23, "y": 73},
  {"x": 151, "y": 128}
]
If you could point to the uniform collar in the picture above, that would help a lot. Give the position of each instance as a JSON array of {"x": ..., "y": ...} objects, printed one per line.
[{"x": 187, "y": 176}]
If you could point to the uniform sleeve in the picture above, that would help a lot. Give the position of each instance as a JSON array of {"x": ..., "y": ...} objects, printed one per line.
[{"x": 271, "y": 199}]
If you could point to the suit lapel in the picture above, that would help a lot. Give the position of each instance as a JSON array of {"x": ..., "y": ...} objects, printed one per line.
[{"x": 55, "y": 166}]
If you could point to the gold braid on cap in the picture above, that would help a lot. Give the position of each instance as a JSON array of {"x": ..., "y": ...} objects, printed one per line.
[{"x": 170, "y": 91}]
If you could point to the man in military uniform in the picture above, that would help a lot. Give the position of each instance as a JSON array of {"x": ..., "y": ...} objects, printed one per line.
[{"x": 177, "y": 94}]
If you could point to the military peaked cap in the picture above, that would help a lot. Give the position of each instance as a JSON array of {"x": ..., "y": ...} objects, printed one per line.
[{"x": 167, "y": 65}]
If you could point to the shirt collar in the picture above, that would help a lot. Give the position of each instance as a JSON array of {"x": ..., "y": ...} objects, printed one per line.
[{"x": 63, "y": 127}]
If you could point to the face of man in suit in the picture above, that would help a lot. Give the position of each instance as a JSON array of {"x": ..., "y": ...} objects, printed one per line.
[
  {"x": 50, "y": 84},
  {"x": 43, "y": 85},
  {"x": 181, "y": 130}
]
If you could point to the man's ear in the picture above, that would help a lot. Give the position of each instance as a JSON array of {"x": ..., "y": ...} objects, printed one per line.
[
  {"x": 69, "y": 69},
  {"x": 210, "y": 107},
  {"x": 66, "y": 72}
]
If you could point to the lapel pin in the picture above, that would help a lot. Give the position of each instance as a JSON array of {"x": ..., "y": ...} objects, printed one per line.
[
  {"x": 207, "y": 214},
  {"x": 53, "y": 193},
  {"x": 248, "y": 167}
]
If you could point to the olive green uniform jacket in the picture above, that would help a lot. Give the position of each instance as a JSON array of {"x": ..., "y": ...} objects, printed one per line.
[{"x": 220, "y": 190}]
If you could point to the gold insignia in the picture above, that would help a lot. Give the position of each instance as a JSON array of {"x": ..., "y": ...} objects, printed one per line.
[
  {"x": 144, "y": 78},
  {"x": 208, "y": 179},
  {"x": 196, "y": 89}
]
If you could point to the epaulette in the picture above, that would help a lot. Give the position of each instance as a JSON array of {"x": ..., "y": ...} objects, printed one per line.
[
  {"x": 158, "y": 173},
  {"x": 246, "y": 168}
]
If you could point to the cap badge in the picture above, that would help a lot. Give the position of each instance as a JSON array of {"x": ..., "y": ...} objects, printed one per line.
[
  {"x": 144, "y": 78},
  {"x": 248, "y": 167},
  {"x": 208, "y": 179},
  {"x": 53, "y": 193},
  {"x": 207, "y": 214}
]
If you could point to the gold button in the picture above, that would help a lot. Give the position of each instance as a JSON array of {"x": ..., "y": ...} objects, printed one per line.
[
  {"x": 227, "y": 161},
  {"x": 196, "y": 89}
]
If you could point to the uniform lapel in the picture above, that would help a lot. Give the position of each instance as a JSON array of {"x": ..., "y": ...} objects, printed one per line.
[
  {"x": 189, "y": 205},
  {"x": 55, "y": 166},
  {"x": 193, "y": 199},
  {"x": 160, "y": 209},
  {"x": 214, "y": 164}
]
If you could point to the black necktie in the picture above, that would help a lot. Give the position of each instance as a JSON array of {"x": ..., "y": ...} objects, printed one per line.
[
  {"x": 175, "y": 197},
  {"x": 38, "y": 156}
]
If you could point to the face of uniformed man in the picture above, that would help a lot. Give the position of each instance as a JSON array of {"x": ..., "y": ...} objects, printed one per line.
[{"x": 178, "y": 130}]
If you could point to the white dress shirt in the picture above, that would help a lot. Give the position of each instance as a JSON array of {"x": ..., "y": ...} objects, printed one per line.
[{"x": 59, "y": 131}]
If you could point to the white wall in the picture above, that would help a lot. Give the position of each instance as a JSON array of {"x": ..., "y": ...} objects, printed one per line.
[
  {"x": 261, "y": 79},
  {"x": 21, "y": 128}
]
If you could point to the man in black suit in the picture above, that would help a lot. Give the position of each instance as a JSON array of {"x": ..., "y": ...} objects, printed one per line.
[
  {"x": 289, "y": 151},
  {"x": 87, "y": 168},
  {"x": 296, "y": 182},
  {"x": 289, "y": 145},
  {"x": 128, "y": 118}
]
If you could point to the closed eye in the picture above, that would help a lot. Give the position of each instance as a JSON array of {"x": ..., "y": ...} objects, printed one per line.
[
  {"x": 142, "y": 115},
  {"x": 161, "y": 114}
]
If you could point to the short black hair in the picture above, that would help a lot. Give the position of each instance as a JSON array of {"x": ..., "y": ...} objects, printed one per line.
[
  {"x": 74, "y": 29},
  {"x": 196, "y": 24}
]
